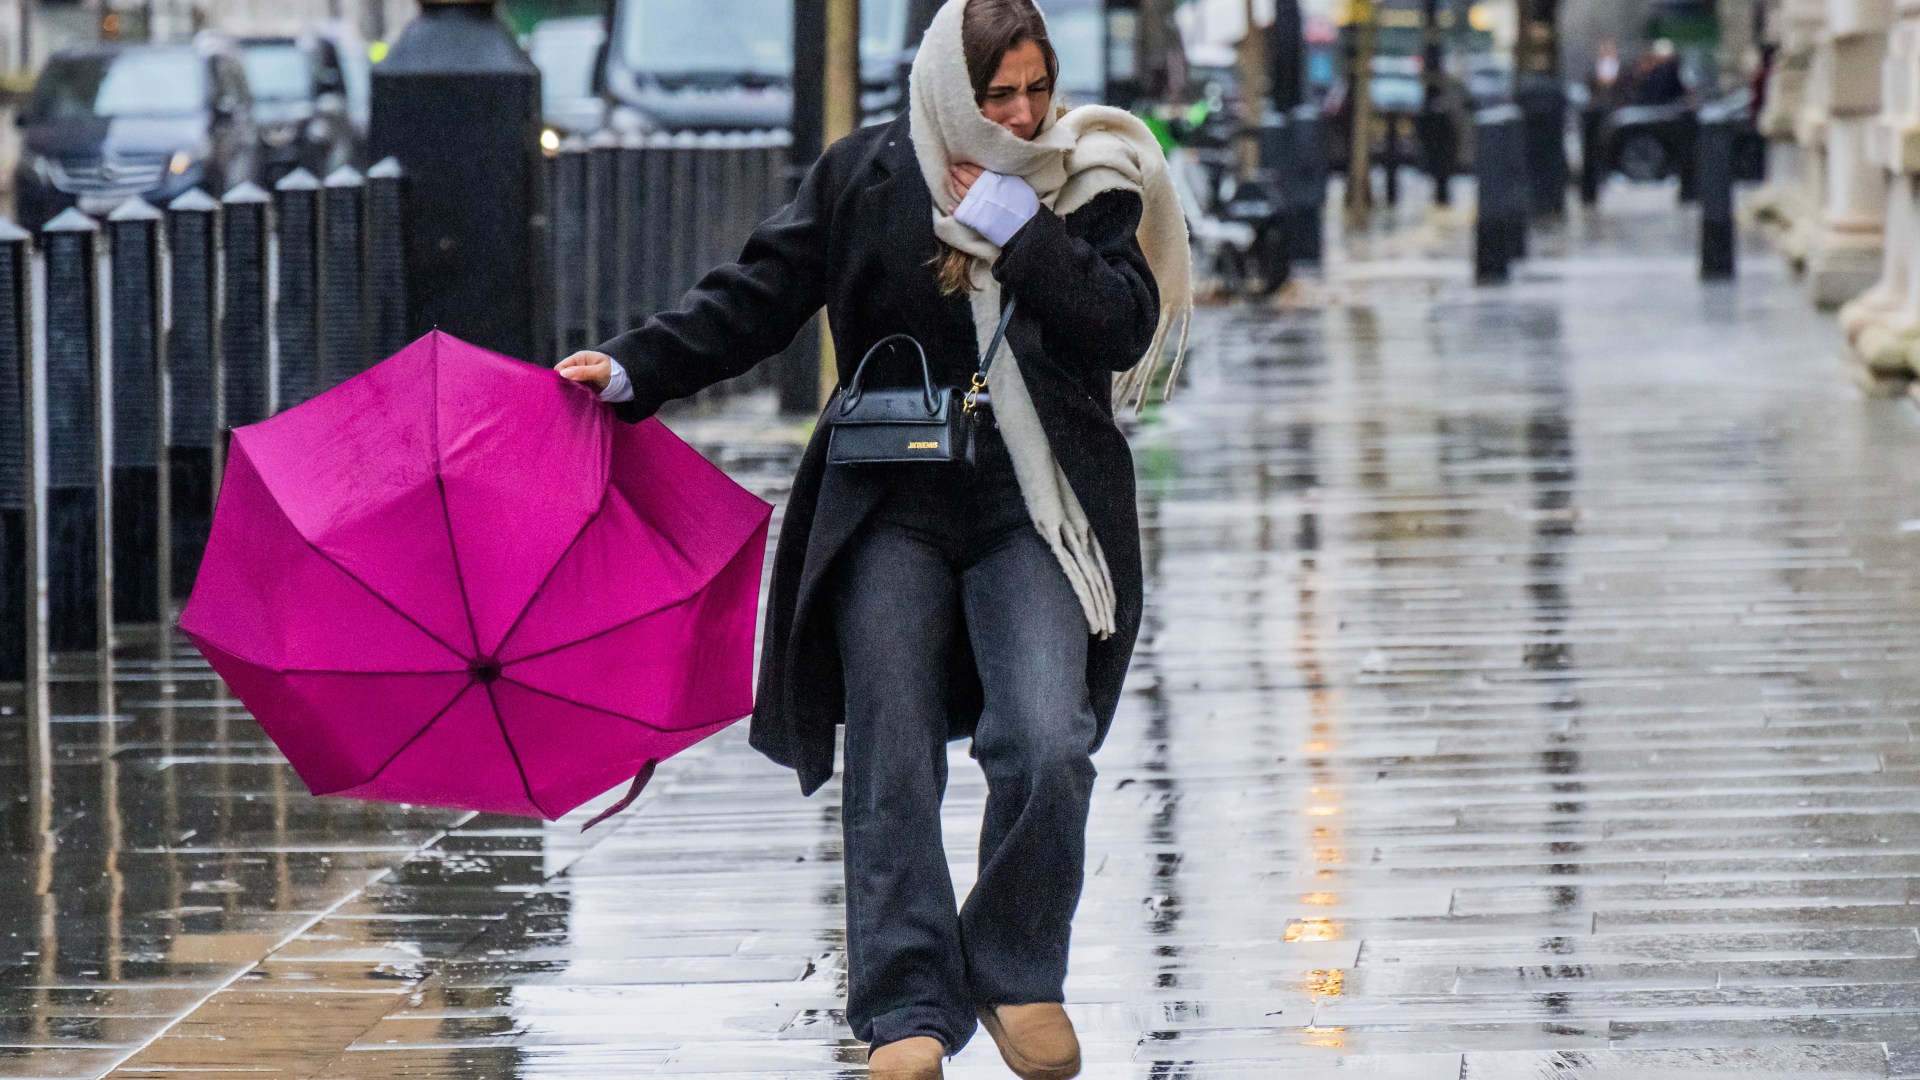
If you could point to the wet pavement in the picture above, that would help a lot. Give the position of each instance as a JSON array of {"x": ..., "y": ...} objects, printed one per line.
[{"x": 1526, "y": 690}]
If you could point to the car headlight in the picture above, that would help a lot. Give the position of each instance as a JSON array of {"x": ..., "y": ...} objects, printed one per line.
[
  {"x": 181, "y": 161},
  {"x": 550, "y": 141},
  {"x": 316, "y": 130},
  {"x": 277, "y": 136}
]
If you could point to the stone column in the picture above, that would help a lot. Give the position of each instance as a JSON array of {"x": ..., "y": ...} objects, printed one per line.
[
  {"x": 1882, "y": 326},
  {"x": 1845, "y": 257},
  {"x": 1794, "y": 122}
]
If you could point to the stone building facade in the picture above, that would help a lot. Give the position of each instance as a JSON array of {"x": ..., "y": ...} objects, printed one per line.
[{"x": 1842, "y": 120}]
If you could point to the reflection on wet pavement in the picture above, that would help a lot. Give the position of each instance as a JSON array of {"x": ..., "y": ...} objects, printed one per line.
[{"x": 1525, "y": 692}]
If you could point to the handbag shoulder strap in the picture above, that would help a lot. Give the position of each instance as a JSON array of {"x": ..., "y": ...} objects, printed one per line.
[
  {"x": 979, "y": 383},
  {"x": 999, "y": 334}
]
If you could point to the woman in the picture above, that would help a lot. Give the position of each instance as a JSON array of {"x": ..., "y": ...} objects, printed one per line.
[{"x": 917, "y": 603}]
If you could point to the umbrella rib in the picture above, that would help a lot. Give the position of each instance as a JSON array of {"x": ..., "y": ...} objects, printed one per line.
[
  {"x": 610, "y": 712},
  {"x": 548, "y": 576},
  {"x": 371, "y": 591},
  {"x": 525, "y": 784},
  {"x": 622, "y": 624},
  {"x": 415, "y": 737},
  {"x": 446, "y": 512},
  {"x": 459, "y": 574},
  {"x": 237, "y": 654}
]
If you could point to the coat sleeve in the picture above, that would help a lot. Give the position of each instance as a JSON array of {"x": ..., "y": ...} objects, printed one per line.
[
  {"x": 1086, "y": 280},
  {"x": 739, "y": 314}
]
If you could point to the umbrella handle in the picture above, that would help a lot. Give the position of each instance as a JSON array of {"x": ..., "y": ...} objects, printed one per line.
[{"x": 639, "y": 784}]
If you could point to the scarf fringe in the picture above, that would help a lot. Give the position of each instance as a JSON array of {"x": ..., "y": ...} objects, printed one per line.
[
  {"x": 1132, "y": 387},
  {"x": 1079, "y": 554}
]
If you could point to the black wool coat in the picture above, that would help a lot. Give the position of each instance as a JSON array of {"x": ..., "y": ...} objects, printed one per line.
[{"x": 858, "y": 238}]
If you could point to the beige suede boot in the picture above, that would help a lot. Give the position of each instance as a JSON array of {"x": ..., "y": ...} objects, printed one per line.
[
  {"x": 917, "y": 1058},
  {"x": 1037, "y": 1040}
]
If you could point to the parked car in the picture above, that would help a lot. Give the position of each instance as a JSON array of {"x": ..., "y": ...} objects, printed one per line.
[
  {"x": 1649, "y": 143},
  {"x": 107, "y": 123},
  {"x": 299, "y": 105},
  {"x": 567, "y": 52}
]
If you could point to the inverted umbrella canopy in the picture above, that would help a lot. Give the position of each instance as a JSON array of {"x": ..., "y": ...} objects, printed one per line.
[{"x": 456, "y": 580}]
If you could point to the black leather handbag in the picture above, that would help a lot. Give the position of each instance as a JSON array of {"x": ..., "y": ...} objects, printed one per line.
[{"x": 908, "y": 423}]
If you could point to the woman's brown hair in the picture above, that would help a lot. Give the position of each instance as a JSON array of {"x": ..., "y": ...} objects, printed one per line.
[{"x": 989, "y": 30}]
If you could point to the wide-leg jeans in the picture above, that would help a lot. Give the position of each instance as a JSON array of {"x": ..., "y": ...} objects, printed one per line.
[{"x": 948, "y": 545}]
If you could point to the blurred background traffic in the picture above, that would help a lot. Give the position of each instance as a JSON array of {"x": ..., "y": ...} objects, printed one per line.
[{"x": 112, "y": 99}]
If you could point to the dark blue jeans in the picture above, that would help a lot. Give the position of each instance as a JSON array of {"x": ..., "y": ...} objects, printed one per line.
[{"x": 947, "y": 545}]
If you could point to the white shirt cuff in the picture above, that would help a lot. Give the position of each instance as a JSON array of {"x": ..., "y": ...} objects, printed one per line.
[
  {"x": 996, "y": 206},
  {"x": 619, "y": 387}
]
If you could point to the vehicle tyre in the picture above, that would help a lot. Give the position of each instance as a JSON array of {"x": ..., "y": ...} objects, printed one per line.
[
  {"x": 1270, "y": 255},
  {"x": 1231, "y": 266},
  {"x": 1643, "y": 158}
]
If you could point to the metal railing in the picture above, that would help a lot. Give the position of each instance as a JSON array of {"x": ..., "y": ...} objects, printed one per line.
[
  {"x": 637, "y": 220},
  {"x": 130, "y": 347}
]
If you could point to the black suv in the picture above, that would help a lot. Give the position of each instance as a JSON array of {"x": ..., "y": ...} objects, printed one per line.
[{"x": 108, "y": 123}]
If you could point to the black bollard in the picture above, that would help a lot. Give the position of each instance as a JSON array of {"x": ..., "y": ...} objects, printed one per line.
[
  {"x": 1273, "y": 143},
  {"x": 246, "y": 360},
  {"x": 296, "y": 316},
  {"x": 1543, "y": 112},
  {"x": 79, "y": 568},
  {"x": 1305, "y": 182},
  {"x": 1500, "y": 227},
  {"x": 387, "y": 258},
  {"x": 1593, "y": 153},
  {"x": 1390, "y": 158},
  {"x": 193, "y": 383},
  {"x": 1439, "y": 147},
  {"x": 19, "y": 557},
  {"x": 343, "y": 291},
  {"x": 139, "y": 358},
  {"x": 1714, "y": 165},
  {"x": 458, "y": 103}
]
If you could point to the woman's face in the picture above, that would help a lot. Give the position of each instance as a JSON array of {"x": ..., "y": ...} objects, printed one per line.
[{"x": 1020, "y": 93}]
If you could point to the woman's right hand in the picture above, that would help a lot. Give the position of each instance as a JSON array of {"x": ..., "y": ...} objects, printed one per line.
[{"x": 593, "y": 368}]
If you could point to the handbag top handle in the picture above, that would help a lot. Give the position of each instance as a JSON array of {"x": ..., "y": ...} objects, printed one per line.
[{"x": 852, "y": 396}]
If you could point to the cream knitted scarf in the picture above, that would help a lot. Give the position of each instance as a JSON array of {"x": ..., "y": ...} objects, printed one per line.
[{"x": 1076, "y": 155}]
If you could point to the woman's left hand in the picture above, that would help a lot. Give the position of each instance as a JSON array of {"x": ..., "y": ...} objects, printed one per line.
[
  {"x": 960, "y": 178},
  {"x": 593, "y": 368}
]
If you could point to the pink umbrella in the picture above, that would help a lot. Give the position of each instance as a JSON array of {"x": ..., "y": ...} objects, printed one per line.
[{"x": 456, "y": 580}]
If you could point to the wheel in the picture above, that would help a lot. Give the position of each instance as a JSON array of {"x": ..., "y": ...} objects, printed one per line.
[
  {"x": 1642, "y": 158},
  {"x": 1231, "y": 266},
  {"x": 1271, "y": 256}
]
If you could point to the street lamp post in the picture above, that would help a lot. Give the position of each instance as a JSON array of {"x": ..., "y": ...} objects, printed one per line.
[
  {"x": 826, "y": 106},
  {"x": 1363, "y": 33}
]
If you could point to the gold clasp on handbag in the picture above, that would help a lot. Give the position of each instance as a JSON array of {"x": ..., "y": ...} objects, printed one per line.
[{"x": 973, "y": 391}]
